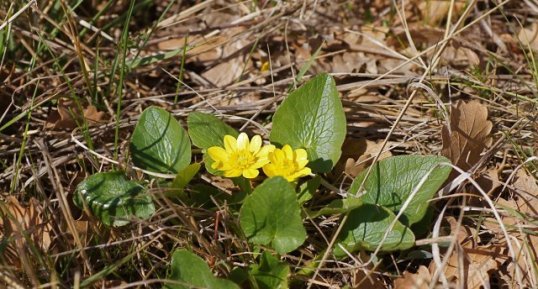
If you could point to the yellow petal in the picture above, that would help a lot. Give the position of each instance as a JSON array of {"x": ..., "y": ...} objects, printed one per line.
[
  {"x": 250, "y": 173},
  {"x": 280, "y": 156},
  {"x": 269, "y": 170},
  {"x": 301, "y": 157},
  {"x": 217, "y": 154},
  {"x": 242, "y": 141},
  {"x": 265, "y": 150},
  {"x": 255, "y": 144},
  {"x": 302, "y": 173},
  {"x": 260, "y": 163},
  {"x": 234, "y": 173},
  {"x": 288, "y": 152},
  {"x": 230, "y": 143}
]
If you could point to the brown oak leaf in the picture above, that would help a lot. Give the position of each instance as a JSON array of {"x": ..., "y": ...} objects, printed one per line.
[{"x": 468, "y": 134}]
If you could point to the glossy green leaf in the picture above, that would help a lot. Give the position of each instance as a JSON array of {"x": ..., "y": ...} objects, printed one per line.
[
  {"x": 159, "y": 143},
  {"x": 312, "y": 118},
  {"x": 393, "y": 179},
  {"x": 270, "y": 273},
  {"x": 114, "y": 199},
  {"x": 338, "y": 206},
  {"x": 185, "y": 176},
  {"x": 190, "y": 271},
  {"x": 182, "y": 179},
  {"x": 271, "y": 216},
  {"x": 207, "y": 130},
  {"x": 365, "y": 228},
  {"x": 308, "y": 189}
]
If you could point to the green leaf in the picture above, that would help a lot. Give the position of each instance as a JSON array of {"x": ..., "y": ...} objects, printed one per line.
[
  {"x": 206, "y": 130},
  {"x": 339, "y": 206},
  {"x": 192, "y": 272},
  {"x": 270, "y": 273},
  {"x": 308, "y": 189},
  {"x": 271, "y": 216},
  {"x": 114, "y": 199},
  {"x": 159, "y": 143},
  {"x": 393, "y": 179},
  {"x": 182, "y": 179},
  {"x": 312, "y": 118},
  {"x": 365, "y": 228},
  {"x": 185, "y": 176}
]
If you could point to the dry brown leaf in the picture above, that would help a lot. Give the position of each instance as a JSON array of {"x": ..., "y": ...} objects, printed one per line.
[
  {"x": 176, "y": 43},
  {"x": 529, "y": 36},
  {"x": 18, "y": 221},
  {"x": 525, "y": 245},
  {"x": 358, "y": 154},
  {"x": 63, "y": 118},
  {"x": 363, "y": 281},
  {"x": 434, "y": 12},
  {"x": 368, "y": 152},
  {"x": 92, "y": 115},
  {"x": 224, "y": 73},
  {"x": 459, "y": 57},
  {"x": 470, "y": 265},
  {"x": 419, "y": 280},
  {"x": 489, "y": 182},
  {"x": 468, "y": 135}
]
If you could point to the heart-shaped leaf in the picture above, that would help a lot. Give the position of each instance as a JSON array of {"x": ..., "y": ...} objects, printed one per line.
[
  {"x": 207, "y": 130},
  {"x": 114, "y": 199},
  {"x": 365, "y": 228},
  {"x": 393, "y": 180},
  {"x": 312, "y": 118},
  {"x": 159, "y": 143},
  {"x": 271, "y": 216},
  {"x": 190, "y": 271},
  {"x": 270, "y": 273}
]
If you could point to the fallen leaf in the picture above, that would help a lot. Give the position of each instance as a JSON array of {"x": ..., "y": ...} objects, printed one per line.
[
  {"x": 68, "y": 114},
  {"x": 419, "y": 280},
  {"x": 459, "y": 57},
  {"x": 363, "y": 281},
  {"x": 518, "y": 216},
  {"x": 529, "y": 36},
  {"x": 434, "y": 12},
  {"x": 489, "y": 182},
  {"x": 92, "y": 115},
  {"x": 358, "y": 154},
  {"x": 21, "y": 224},
  {"x": 470, "y": 265},
  {"x": 468, "y": 134}
]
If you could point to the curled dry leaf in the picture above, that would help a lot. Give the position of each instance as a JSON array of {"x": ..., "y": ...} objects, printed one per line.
[
  {"x": 470, "y": 265},
  {"x": 22, "y": 224},
  {"x": 66, "y": 117},
  {"x": 519, "y": 215},
  {"x": 529, "y": 36},
  {"x": 419, "y": 280},
  {"x": 434, "y": 12},
  {"x": 358, "y": 154},
  {"x": 468, "y": 134}
]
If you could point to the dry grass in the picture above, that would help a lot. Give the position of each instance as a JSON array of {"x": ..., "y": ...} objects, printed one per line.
[{"x": 399, "y": 66}]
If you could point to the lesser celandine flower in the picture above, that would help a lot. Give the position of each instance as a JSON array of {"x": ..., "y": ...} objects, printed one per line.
[
  {"x": 241, "y": 156},
  {"x": 288, "y": 163}
]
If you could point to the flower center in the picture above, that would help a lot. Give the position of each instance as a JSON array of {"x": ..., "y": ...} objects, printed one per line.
[
  {"x": 243, "y": 159},
  {"x": 287, "y": 167}
]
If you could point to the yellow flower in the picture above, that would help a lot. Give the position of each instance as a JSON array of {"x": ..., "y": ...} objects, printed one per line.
[
  {"x": 287, "y": 163},
  {"x": 240, "y": 157}
]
